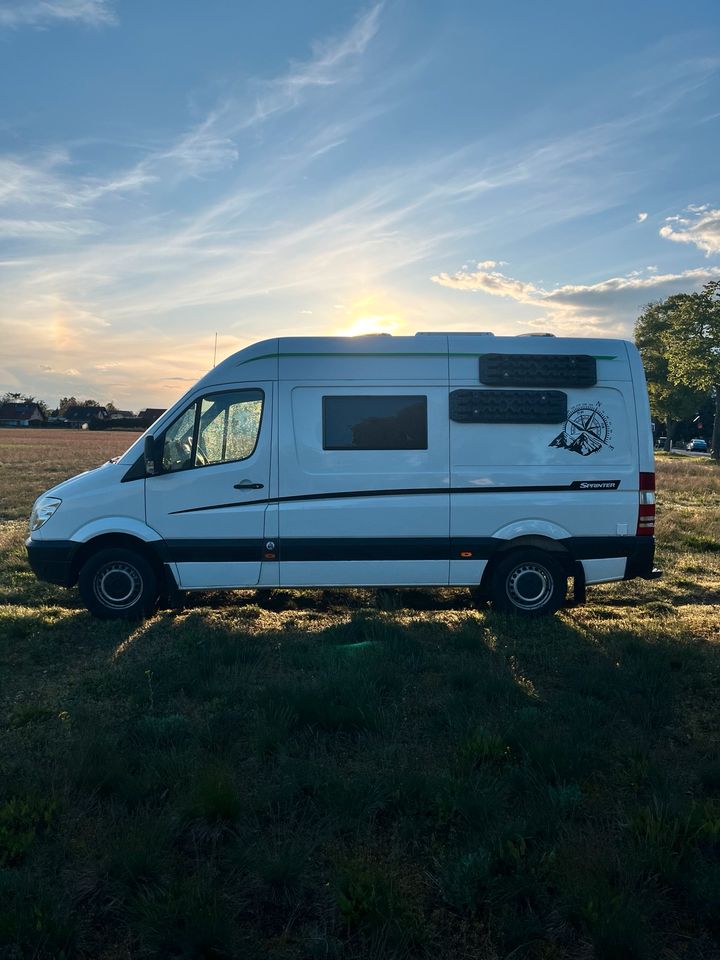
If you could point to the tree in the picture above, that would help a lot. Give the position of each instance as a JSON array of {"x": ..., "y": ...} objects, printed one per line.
[
  {"x": 692, "y": 345},
  {"x": 66, "y": 402},
  {"x": 669, "y": 402}
]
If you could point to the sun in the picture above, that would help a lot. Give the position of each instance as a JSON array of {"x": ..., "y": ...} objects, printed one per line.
[
  {"x": 371, "y": 323},
  {"x": 364, "y": 325}
]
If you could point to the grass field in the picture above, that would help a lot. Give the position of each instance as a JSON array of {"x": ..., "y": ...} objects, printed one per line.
[{"x": 361, "y": 774}]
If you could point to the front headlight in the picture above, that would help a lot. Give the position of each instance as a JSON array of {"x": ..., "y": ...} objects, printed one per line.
[{"x": 43, "y": 509}]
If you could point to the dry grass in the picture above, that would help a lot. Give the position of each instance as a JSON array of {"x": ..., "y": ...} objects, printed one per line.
[
  {"x": 688, "y": 492},
  {"x": 31, "y": 461},
  {"x": 364, "y": 775}
]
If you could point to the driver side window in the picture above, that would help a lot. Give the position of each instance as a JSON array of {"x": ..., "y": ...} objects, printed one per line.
[
  {"x": 218, "y": 428},
  {"x": 178, "y": 445}
]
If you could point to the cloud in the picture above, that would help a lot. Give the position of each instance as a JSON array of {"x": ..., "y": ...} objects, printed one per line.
[
  {"x": 611, "y": 304},
  {"x": 47, "y": 229},
  {"x": 641, "y": 217},
  {"x": 40, "y": 13},
  {"x": 205, "y": 148},
  {"x": 702, "y": 228},
  {"x": 284, "y": 92},
  {"x": 486, "y": 280}
]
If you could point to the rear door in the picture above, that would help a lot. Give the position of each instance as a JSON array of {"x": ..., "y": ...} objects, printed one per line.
[{"x": 209, "y": 501}]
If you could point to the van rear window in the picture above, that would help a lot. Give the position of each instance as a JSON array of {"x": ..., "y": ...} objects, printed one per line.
[
  {"x": 537, "y": 370},
  {"x": 508, "y": 406},
  {"x": 375, "y": 423}
]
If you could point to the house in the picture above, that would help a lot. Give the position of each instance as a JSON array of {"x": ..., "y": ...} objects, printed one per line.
[
  {"x": 80, "y": 415},
  {"x": 122, "y": 415},
  {"x": 21, "y": 414},
  {"x": 150, "y": 415}
]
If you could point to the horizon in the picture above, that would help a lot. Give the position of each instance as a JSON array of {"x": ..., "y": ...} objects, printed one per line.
[{"x": 166, "y": 174}]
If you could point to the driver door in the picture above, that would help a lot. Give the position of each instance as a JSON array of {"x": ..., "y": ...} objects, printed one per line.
[{"x": 209, "y": 499}]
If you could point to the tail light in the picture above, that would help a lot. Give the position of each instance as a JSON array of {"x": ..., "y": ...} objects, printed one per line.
[{"x": 646, "y": 514}]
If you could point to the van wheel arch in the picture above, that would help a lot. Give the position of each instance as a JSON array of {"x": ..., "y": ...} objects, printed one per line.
[
  {"x": 125, "y": 542},
  {"x": 555, "y": 548}
]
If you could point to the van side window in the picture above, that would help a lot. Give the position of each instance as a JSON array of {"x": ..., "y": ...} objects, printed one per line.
[
  {"x": 219, "y": 428},
  {"x": 375, "y": 423}
]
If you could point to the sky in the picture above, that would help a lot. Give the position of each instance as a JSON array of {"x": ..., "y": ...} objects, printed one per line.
[{"x": 172, "y": 170}]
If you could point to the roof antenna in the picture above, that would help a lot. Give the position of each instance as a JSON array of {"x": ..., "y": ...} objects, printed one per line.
[{"x": 215, "y": 351}]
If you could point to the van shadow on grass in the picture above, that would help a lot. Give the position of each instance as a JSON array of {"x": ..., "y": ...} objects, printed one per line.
[
  {"x": 238, "y": 780},
  {"x": 336, "y": 599}
]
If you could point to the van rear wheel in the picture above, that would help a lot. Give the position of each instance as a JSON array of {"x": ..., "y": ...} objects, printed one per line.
[
  {"x": 118, "y": 584},
  {"x": 529, "y": 582}
]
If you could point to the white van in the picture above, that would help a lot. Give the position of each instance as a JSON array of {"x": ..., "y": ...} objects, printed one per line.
[{"x": 507, "y": 464}]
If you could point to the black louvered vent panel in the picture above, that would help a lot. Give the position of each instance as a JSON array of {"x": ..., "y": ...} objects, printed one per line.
[
  {"x": 508, "y": 406},
  {"x": 537, "y": 370}
]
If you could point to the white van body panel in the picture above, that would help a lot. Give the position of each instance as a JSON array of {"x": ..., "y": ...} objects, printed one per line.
[
  {"x": 95, "y": 503},
  {"x": 604, "y": 571}
]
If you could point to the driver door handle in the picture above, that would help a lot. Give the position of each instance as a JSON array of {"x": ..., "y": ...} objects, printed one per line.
[{"x": 248, "y": 485}]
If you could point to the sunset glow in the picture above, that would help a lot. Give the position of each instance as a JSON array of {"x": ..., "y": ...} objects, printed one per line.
[{"x": 374, "y": 323}]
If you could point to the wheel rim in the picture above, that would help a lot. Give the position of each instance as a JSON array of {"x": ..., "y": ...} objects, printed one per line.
[
  {"x": 529, "y": 586},
  {"x": 118, "y": 585}
]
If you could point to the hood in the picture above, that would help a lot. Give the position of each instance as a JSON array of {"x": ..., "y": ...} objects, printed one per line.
[{"x": 87, "y": 480}]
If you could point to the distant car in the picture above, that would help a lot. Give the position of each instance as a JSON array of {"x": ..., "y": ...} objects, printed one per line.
[{"x": 698, "y": 445}]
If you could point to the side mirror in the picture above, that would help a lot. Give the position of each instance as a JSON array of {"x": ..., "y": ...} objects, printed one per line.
[{"x": 150, "y": 452}]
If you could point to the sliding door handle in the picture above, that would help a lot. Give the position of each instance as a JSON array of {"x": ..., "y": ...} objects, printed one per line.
[{"x": 248, "y": 485}]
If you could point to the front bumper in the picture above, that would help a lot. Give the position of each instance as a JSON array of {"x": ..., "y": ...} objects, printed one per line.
[{"x": 52, "y": 560}]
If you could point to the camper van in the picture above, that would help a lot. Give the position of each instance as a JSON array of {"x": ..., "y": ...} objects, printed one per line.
[{"x": 511, "y": 465}]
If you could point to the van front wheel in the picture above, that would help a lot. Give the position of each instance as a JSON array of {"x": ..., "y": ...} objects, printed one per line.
[
  {"x": 118, "y": 584},
  {"x": 528, "y": 582}
]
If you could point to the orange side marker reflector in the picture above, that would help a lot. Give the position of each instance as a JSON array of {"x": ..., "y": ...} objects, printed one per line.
[{"x": 465, "y": 554}]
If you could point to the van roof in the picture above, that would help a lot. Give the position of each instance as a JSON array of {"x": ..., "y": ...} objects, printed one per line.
[{"x": 351, "y": 357}]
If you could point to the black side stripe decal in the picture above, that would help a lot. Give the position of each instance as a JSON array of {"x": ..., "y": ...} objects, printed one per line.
[
  {"x": 576, "y": 485},
  {"x": 375, "y": 548}
]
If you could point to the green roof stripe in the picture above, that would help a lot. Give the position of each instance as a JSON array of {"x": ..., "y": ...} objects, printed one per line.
[{"x": 339, "y": 353}]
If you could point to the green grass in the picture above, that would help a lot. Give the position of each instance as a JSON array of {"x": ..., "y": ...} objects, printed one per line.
[{"x": 368, "y": 775}]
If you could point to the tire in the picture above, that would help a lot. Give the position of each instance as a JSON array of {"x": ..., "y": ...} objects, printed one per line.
[
  {"x": 529, "y": 582},
  {"x": 118, "y": 584}
]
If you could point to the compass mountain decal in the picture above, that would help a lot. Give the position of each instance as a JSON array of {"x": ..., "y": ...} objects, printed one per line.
[
  {"x": 583, "y": 443},
  {"x": 587, "y": 430}
]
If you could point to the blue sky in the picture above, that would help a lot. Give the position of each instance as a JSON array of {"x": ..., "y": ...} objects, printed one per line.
[{"x": 173, "y": 169}]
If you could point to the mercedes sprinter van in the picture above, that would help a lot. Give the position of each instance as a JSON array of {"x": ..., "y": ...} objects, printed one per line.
[{"x": 507, "y": 464}]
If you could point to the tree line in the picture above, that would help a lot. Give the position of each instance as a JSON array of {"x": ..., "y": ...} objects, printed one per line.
[
  {"x": 63, "y": 406},
  {"x": 679, "y": 341}
]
